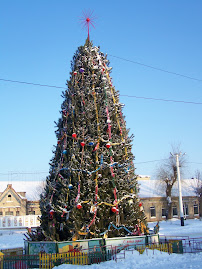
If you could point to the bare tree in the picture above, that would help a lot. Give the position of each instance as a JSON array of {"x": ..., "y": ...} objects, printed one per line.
[
  {"x": 38, "y": 190},
  {"x": 167, "y": 177},
  {"x": 197, "y": 185}
]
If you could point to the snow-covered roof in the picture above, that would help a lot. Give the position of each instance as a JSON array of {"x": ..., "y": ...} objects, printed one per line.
[
  {"x": 32, "y": 188},
  {"x": 154, "y": 188},
  {"x": 148, "y": 188}
]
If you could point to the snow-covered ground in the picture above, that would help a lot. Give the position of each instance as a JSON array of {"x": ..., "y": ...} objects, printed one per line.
[
  {"x": 149, "y": 259},
  {"x": 12, "y": 238},
  {"x": 191, "y": 228}
]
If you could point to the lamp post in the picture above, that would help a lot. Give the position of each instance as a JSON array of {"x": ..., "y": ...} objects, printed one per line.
[{"x": 179, "y": 188}]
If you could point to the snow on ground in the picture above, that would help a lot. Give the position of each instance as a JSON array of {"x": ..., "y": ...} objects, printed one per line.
[
  {"x": 191, "y": 228},
  {"x": 12, "y": 238},
  {"x": 156, "y": 259},
  {"x": 149, "y": 259}
]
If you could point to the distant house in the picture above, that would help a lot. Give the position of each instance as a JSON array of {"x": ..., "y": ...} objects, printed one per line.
[
  {"x": 15, "y": 207},
  {"x": 153, "y": 199}
]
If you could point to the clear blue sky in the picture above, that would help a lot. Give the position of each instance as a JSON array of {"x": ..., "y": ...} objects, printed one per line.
[{"x": 38, "y": 40}]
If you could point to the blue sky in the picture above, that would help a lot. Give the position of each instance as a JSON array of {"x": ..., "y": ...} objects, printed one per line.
[{"x": 38, "y": 40}]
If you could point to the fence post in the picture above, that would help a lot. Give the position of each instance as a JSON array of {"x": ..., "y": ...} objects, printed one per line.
[{"x": 1, "y": 260}]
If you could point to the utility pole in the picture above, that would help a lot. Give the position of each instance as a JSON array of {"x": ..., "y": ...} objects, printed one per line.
[{"x": 179, "y": 188}]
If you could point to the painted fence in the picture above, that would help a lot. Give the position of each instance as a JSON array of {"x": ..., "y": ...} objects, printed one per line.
[
  {"x": 87, "y": 257},
  {"x": 83, "y": 245},
  {"x": 47, "y": 261},
  {"x": 19, "y": 221},
  {"x": 1, "y": 260}
]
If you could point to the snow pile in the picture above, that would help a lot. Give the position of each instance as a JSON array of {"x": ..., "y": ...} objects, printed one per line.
[{"x": 149, "y": 259}]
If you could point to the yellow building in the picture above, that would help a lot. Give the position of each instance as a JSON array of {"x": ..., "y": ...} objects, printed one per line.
[{"x": 13, "y": 203}]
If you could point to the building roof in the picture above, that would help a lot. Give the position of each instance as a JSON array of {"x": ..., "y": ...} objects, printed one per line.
[
  {"x": 32, "y": 188},
  {"x": 148, "y": 188},
  {"x": 154, "y": 188}
]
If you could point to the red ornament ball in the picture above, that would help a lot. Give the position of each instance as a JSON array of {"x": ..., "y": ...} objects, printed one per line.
[
  {"x": 83, "y": 144},
  {"x": 108, "y": 145},
  {"x": 52, "y": 212},
  {"x": 79, "y": 206},
  {"x": 140, "y": 204},
  {"x": 113, "y": 209},
  {"x": 74, "y": 135},
  {"x": 75, "y": 73}
]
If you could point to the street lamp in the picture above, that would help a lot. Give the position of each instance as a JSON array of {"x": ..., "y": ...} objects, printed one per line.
[{"x": 179, "y": 188}]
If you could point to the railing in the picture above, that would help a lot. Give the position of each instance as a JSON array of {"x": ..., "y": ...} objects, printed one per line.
[
  {"x": 189, "y": 245},
  {"x": 20, "y": 262},
  {"x": 19, "y": 221},
  {"x": 97, "y": 254}
]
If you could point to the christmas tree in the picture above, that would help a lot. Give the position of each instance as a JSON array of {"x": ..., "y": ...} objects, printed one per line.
[{"x": 91, "y": 190}]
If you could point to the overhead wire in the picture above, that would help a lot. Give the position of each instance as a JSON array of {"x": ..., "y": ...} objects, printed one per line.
[
  {"x": 156, "y": 68},
  {"x": 129, "y": 96}
]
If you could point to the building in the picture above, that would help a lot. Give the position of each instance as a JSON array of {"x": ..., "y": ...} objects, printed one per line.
[
  {"x": 154, "y": 201},
  {"x": 17, "y": 209},
  {"x": 19, "y": 201}
]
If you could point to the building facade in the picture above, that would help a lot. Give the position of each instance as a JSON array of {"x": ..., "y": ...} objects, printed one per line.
[
  {"x": 155, "y": 207},
  {"x": 154, "y": 201},
  {"x": 14, "y": 203}
]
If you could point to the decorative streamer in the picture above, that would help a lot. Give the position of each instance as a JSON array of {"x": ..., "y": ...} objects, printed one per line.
[{"x": 117, "y": 228}]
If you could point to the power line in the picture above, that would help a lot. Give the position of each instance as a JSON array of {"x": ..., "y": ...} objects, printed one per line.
[
  {"x": 160, "y": 161},
  {"x": 23, "y": 173},
  {"x": 160, "y": 99},
  {"x": 129, "y": 96},
  {"x": 152, "y": 161},
  {"x": 194, "y": 162},
  {"x": 156, "y": 68},
  {"x": 31, "y": 83}
]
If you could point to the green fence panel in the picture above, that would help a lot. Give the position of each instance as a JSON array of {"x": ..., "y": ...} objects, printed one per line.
[{"x": 177, "y": 246}]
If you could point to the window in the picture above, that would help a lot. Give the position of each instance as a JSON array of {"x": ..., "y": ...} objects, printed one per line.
[
  {"x": 9, "y": 197},
  {"x": 163, "y": 212},
  {"x": 1, "y": 213},
  {"x": 32, "y": 212},
  {"x": 175, "y": 211},
  {"x": 186, "y": 210},
  {"x": 9, "y": 213},
  {"x": 17, "y": 213},
  {"x": 195, "y": 209},
  {"x": 153, "y": 212}
]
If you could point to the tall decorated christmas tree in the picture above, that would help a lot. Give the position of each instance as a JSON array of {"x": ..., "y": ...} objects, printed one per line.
[{"x": 91, "y": 190}]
